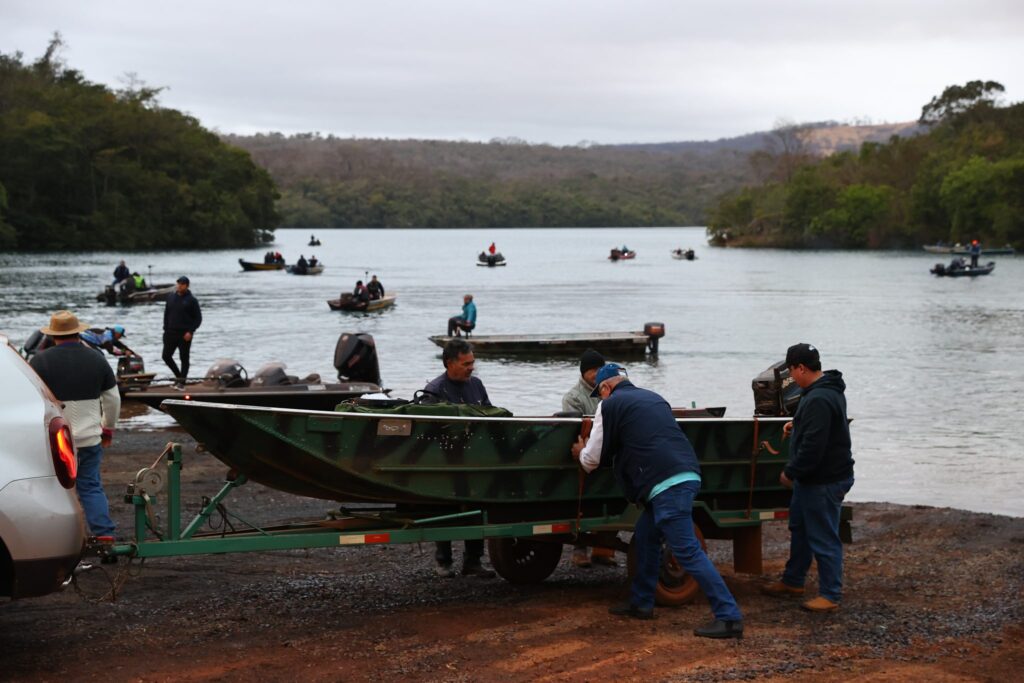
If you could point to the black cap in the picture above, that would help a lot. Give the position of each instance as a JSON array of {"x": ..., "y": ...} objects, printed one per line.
[
  {"x": 590, "y": 359},
  {"x": 803, "y": 354},
  {"x": 183, "y": 280}
]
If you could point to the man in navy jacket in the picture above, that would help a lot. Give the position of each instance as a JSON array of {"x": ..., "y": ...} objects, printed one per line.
[
  {"x": 635, "y": 432},
  {"x": 820, "y": 472},
  {"x": 182, "y": 317}
]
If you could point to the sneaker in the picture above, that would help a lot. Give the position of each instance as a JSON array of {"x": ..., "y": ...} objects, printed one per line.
[
  {"x": 477, "y": 571},
  {"x": 580, "y": 558},
  {"x": 628, "y": 609},
  {"x": 781, "y": 590},
  {"x": 820, "y": 604},
  {"x": 720, "y": 629},
  {"x": 445, "y": 571}
]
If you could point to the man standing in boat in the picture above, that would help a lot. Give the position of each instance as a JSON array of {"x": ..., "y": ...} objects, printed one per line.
[
  {"x": 457, "y": 385},
  {"x": 820, "y": 472},
  {"x": 466, "y": 321},
  {"x": 375, "y": 288},
  {"x": 635, "y": 432},
  {"x": 182, "y": 317},
  {"x": 580, "y": 399},
  {"x": 975, "y": 251}
]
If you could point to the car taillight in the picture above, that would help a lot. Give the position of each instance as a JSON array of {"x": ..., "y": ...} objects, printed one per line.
[{"x": 62, "y": 448}]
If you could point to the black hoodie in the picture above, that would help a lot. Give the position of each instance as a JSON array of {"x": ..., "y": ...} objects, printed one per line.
[{"x": 820, "y": 451}]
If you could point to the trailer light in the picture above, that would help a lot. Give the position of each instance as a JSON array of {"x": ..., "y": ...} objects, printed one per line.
[{"x": 62, "y": 449}]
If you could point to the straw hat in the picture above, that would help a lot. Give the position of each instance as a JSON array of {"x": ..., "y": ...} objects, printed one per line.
[{"x": 62, "y": 324}]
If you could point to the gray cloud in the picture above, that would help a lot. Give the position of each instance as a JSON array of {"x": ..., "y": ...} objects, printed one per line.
[{"x": 549, "y": 71}]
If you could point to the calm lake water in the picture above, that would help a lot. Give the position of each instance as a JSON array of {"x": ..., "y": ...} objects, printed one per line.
[{"x": 933, "y": 365}]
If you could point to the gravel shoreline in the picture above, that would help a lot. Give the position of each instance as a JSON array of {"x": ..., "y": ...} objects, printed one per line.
[{"x": 931, "y": 593}]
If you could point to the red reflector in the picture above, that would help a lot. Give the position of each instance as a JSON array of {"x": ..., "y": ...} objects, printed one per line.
[
  {"x": 62, "y": 449},
  {"x": 188, "y": 397},
  {"x": 377, "y": 538},
  {"x": 560, "y": 528},
  {"x": 782, "y": 514}
]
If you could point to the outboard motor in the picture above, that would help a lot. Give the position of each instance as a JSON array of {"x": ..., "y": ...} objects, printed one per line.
[
  {"x": 32, "y": 344},
  {"x": 228, "y": 372},
  {"x": 271, "y": 374},
  {"x": 355, "y": 358},
  {"x": 775, "y": 392},
  {"x": 130, "y": 365},
  {"x": 654, "y": 332}
]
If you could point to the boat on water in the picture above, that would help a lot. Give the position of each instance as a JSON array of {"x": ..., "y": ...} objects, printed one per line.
[
  {"x": 609, "y": 344},
  {"x": 621, "y": 255},
  {"x": 228, "y": 382},
  {"x": 943, "y": 270},
  {"x": 126, "y": 293},
  {"x": 490, "y": 260},
  {"x": 683, "y": 254},
  {"x": 306, "y": 270},
  {"x": 347, "y": 302},
  {"x": 456, "y": 455},
  {"x": 254, "y": 265}
]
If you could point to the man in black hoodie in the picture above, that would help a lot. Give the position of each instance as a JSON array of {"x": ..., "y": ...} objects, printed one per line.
[
  {"x": 820, "y": 471},
  {"x": 182, "y": 317}
]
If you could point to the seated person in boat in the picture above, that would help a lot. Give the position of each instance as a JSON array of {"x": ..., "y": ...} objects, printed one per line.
[
  {"x": 361, "y": 294},
  {"x": 958, "y": 263},
  {"x": 268, "y": 258},
  {"x": 375, "y": 288},
  {"x": 313, "y": 261},
  {"x": 302, "y": 265},
  {"x": 465, "y": 321},
  {"x": 458, "y": 385}
]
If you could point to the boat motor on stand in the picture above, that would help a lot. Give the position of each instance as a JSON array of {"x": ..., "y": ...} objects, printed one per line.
[
  {"x": 355, "y": 358},
  {"x": 775, "y": 392},
  {"x": 654, "y": 332}
]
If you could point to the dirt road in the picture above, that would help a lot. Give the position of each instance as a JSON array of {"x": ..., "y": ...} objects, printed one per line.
[{"x": 931, "y": 594}]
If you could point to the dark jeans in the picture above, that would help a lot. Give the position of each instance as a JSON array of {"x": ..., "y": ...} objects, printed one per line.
[
  {"x": 90, "y": 491},
  {"x": 814, "y": 534},
  {"x": 669, "y": 517},
  {"x": 474, "y": 551},
  {"x": 175, "y": 341},
  {"x": 459, "y": 323}
]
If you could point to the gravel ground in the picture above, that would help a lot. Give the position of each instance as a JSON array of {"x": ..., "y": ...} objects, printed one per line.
[{"x": 931, "y": 594}]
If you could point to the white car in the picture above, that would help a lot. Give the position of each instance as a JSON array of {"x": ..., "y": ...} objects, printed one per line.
[{"x": 42, "y": 527}]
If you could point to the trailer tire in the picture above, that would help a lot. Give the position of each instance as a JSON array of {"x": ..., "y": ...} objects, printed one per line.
[
  {"x": 675, "y": 585},
  {"x": 524, "y": 560}
]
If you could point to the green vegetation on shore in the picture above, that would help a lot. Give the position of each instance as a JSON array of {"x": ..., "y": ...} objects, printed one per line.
[
  {"x": 84, "y": 167},
  {"x": 963, "y": 179}
]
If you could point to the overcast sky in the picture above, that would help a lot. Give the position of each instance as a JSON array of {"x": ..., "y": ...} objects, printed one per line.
[{"x": 544, "y": 71}]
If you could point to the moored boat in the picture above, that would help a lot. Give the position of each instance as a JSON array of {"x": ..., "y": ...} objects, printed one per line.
[
  {"x": 347, "y": 302},
  {"x": 610, "y": 344}
]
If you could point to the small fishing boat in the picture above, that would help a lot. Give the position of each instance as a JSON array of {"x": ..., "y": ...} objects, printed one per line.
[
  {"x": 308, "y": 270},
  {"x": 490, "y": 260},
  {"x": 943, "y": 270},
  {"x": 609, "y": 344},
  {"x": 347, "y": 302},
  {"x": 226, "y": 381},
  {"x": 683, "y": 254},
  {"x": 620, "y": 255},
  {"x": 254, "y": 265},
  {"x": 124, "y": 294}
]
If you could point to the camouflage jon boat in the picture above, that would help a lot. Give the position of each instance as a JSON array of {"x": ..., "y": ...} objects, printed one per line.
[{"x": 514, "y": 465}]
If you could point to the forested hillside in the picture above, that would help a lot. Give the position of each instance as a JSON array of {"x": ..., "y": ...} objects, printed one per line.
[
  {"x": 86, "y": 167},
  {"x": 964, "y": 179}
]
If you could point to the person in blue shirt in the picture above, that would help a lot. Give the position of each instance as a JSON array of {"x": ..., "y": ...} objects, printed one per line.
[
  {"x": 465, "y": 321},
  {"x": 635, "y": 432},
  {"x": 108, "y": 339},
  {"x": 975, "y": 252},
  {"x": 121, "y": 272}
]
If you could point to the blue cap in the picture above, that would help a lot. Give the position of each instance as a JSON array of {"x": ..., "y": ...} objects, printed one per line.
[
  {"x": 119, "y": 329},
  {"x": 607, "y": 371}
]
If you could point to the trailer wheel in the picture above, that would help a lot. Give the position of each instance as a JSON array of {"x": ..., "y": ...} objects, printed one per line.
[
  {"x": 675, "y": 585},
  {"x": 523, "y": 560}
]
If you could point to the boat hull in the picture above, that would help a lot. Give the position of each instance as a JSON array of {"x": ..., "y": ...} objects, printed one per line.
[
  {"x": 310, "y": 270},
  {"x": 372, "y": 305},
  {"x": 254, "y": 266},
  {"x": 609, "y": 344},
  {"x": 498, "y": 463}
]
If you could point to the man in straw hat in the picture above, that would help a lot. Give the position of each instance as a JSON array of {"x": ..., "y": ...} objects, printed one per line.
[{"x": 82, "y": 380}]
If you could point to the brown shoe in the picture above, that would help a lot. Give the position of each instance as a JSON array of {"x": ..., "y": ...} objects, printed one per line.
[
  {"x": 820, "y": 604},
  {"x": 778, "y": 589}
]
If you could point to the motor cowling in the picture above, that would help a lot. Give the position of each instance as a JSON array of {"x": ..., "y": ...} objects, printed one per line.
[
  {"x": 775, "y": 392},
  {"x": 355, "y": 358},
  {"x": 228, "y": 372},
  {"x": 130, "y": 365},
  {"x": 654, "y": 332}
]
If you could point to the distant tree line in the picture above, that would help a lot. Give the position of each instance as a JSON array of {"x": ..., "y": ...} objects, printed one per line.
[
  {"x": 963, "y": 179},
  {"x": 86, "y": 167},
  {"x": 336, "y": 182}
]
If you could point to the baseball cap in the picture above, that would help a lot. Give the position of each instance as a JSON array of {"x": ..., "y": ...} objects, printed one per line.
[
  {"x": 183, "y": 279},
  {"x": 607, "y": 371},
  {"x": 802, "y": 354},
  {"x": 119, "y": 329}
]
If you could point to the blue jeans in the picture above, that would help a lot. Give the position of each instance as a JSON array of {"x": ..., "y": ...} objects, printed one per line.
[
  {"x": 814, "y": 533},
  {"x": 90, "y": 491},
  {"x": 670, "y": 517}
]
